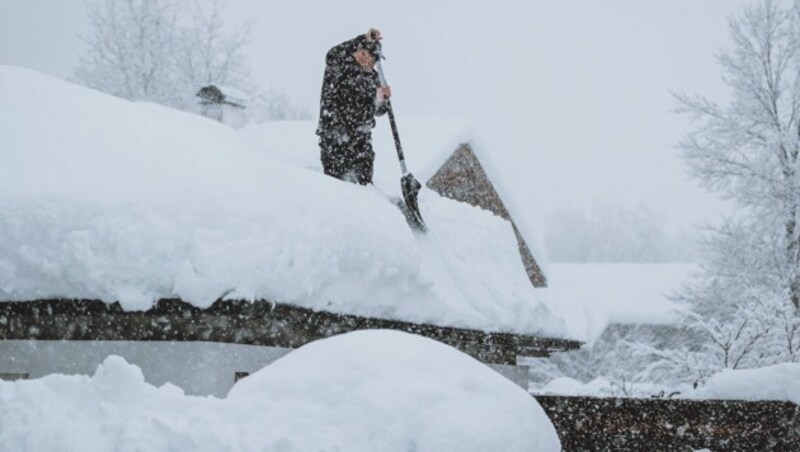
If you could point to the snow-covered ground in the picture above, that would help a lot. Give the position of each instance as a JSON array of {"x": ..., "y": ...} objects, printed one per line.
[
  {"x": 104, "y": 198},
  {"x": 363, "y": 391},
  {"x": 780, "y": 382}
]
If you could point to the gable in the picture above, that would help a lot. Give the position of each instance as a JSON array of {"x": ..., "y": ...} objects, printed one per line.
[{"x": 462, "y": 178}]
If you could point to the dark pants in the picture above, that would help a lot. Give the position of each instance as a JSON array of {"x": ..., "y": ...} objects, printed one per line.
[{"x": 348, "y": 159}]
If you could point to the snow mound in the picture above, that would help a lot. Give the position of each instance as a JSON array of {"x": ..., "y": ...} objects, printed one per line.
[
  {"x": 363, "y": 391},
  {"x": 778, "y": 382},
  {"x": 131, "y": 202}
]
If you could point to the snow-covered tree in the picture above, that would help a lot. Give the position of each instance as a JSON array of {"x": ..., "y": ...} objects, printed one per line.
[
  {"x": 747, "y": 299},
  {"x": 130, "y": 50},
  {"x": 748, "y": 150},
  {"x": 206, "y": 52}
]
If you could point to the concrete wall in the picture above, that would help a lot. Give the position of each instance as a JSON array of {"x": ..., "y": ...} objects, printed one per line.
[{"x": 199, "y": 368}]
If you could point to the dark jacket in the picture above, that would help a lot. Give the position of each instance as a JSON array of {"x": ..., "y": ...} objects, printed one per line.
[{"x": 347, "y": 104}]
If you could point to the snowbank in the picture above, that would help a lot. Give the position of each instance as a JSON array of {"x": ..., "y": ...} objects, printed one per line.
[
  {"x": 570, "y": 387},
  {"x": 104, "y": 198},
  {"x": 364, "y": 391},
  {"x": 778, "y": 382},
  {"x": 604, "y": 387}
]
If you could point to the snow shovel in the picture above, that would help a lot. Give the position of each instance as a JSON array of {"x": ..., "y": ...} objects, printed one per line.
[{"x": 408, "y": 183}]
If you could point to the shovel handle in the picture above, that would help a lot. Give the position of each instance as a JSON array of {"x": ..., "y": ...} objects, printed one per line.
[{"x": 392, "y": 122}]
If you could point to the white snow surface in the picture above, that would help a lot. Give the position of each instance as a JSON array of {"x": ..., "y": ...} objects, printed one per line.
[
  {"x": 362, "y": 391},
  {"x": 104, "y": 198},
  {"x": 604, "y": 387},
  {"x": 777, "y": 382},
  {"x": 427, "y": 142}
]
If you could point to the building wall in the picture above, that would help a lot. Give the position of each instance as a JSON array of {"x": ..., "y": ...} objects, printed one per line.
[{"x": 199, "y": 368}]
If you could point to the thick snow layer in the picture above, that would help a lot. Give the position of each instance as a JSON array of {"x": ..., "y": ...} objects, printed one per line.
[
  {"x": 363, "y": 391},
  {"x": 427, "y": 142},
  {"x": 778, "y": 382},
  {"x": 591, "y": 296},
  {"x": 104, "y": 198},
  {"x": 587, "y": 296},
  {"x": 571, "y": 387},
  {"x": 603, "y": 387}
]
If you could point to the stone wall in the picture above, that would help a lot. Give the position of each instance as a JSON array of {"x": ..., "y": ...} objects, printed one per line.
[{"x": 588, "y": 423}]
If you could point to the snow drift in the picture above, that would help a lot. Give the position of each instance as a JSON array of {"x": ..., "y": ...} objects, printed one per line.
[
  {"x": 108, "y": 199},
  {"x": 778, "y": 382},
  {"x": 364, "y": 391}
]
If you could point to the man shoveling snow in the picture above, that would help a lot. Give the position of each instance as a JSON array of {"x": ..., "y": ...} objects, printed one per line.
[
  {"x": 353, "y": 93},
  {"x": 351, "y": 98}
]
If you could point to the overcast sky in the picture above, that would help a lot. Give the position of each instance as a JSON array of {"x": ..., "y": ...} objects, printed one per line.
[{"x": 572, "y": 97}]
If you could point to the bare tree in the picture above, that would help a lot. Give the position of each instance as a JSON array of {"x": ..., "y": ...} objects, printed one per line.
[
  {"x": 163, "y": 51},
  {"x": 129, "y": 51},
  {"x": 207, "y": 53}
]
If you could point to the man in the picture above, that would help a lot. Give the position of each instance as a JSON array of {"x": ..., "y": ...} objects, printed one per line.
[{"x": 351, "y": 98}]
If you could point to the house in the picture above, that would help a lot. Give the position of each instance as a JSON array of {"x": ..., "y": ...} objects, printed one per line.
[
  {"x": 204, "y": 351},
  {"x": 462, "y": 178},
  {"x": 245, "y": 257}
]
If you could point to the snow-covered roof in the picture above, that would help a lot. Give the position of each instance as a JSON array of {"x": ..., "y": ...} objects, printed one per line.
[
  {"x": 107, "y": 199},
  {"x": 233, "y": 93},
  {"x": 428, "y": 141}
]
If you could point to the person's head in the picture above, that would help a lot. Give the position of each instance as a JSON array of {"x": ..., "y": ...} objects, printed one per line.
[
  {"x": 367, "y": 53},
  {"x": 364, "y": 58}
]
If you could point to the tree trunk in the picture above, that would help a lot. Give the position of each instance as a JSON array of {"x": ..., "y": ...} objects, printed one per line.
[{"x": 793, "y": 255}]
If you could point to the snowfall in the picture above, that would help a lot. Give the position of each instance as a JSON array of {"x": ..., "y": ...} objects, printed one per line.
[{"x": 102, "y": 198}]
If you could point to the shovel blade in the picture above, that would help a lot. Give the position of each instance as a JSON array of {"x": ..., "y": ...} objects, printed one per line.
[{"x": 410, "y": 187}]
